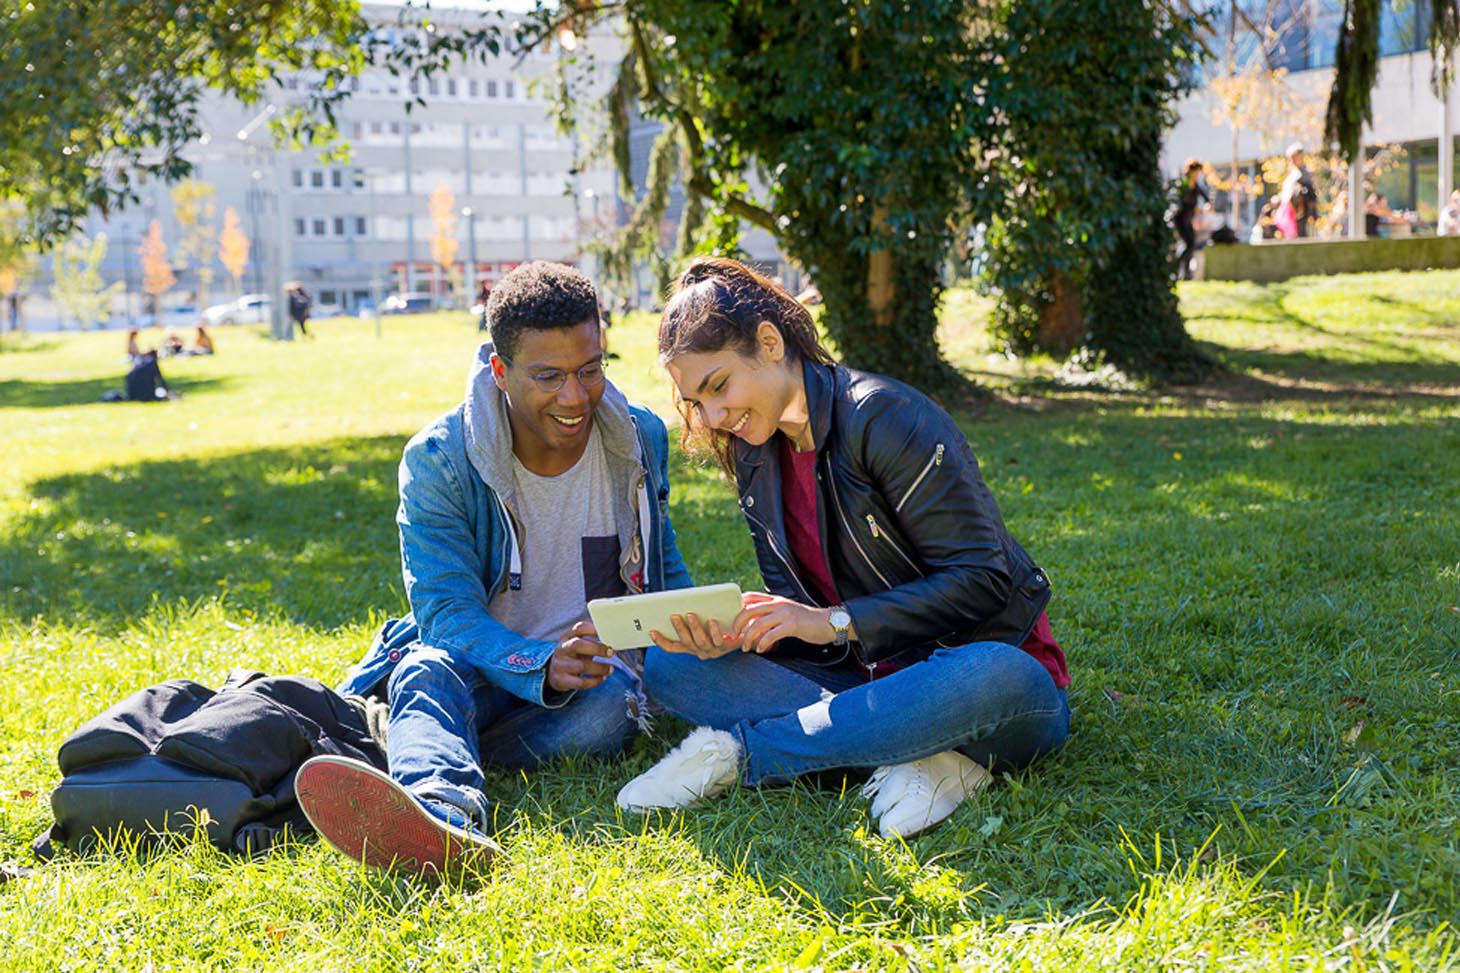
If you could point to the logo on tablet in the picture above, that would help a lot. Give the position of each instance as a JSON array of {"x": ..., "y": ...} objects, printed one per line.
[{"x": 638, "y": 625}]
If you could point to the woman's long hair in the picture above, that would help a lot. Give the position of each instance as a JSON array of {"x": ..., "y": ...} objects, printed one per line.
[{"x": 719, "y": 304}]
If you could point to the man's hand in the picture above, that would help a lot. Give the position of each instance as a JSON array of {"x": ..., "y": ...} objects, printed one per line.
[
  {"x": 694, "y": 637},
  {"x": 572, "y": 666},
  {"x": 766, "y": 619}
]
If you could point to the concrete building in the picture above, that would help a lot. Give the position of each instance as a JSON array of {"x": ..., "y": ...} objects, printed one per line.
[
  {"x": 1412, "y": 128},
  {"x": 354, "y": 231}
]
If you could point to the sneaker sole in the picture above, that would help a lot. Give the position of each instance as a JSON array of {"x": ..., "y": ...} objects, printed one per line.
[{"x": 366, "y": 815}]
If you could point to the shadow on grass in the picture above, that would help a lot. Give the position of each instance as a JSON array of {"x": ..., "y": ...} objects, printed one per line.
[
  {"x": 26, "y": 394},
  {"x": 307, "y": 532}
]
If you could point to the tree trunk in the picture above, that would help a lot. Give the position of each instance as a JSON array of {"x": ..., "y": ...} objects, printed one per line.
[
  {"x": 899, "y": 338},
  {"x": 1062, "y": 320}
]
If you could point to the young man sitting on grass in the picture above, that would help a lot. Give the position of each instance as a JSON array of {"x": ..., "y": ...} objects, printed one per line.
[{"x": 544, "y": 489}]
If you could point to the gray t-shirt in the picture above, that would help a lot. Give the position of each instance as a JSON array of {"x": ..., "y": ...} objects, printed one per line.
[{"x": 569, "y": 545}]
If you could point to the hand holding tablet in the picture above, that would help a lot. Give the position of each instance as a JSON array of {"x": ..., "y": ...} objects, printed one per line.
[{"x": 625, "y": 622}]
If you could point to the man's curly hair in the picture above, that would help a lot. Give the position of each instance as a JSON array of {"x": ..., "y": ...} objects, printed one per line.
[{"x": 538, "y": 296}]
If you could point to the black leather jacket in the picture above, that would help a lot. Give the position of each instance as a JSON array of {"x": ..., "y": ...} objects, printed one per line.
[{"x": 916, "y": 547}]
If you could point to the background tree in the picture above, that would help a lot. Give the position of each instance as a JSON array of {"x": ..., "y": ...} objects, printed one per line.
[
  {"x": 69, "y": 145},
  {"x": 17, "y": 260},
  {"x": 194, "y": 205},
  {"x": 157, "y": 275},
  {"x": 860, "y": 122},
  {"x": 233, "y": 247},
  {"x": 442, "y": 205},
  {"x": 1079, "y": 256},
  {"x": 79, "y": 289}
]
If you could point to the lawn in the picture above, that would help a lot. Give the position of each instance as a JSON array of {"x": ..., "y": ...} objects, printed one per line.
[{"x": 1257, "y": 584}]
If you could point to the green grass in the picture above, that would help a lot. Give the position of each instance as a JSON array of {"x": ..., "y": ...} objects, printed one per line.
[{"x": 1257, "y": 583}]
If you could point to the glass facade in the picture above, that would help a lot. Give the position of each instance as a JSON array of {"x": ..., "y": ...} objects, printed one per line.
[{"x": 1300, "y": 35}]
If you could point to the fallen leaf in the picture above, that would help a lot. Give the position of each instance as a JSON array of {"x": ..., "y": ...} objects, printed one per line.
[
  {"x": 1352, "y": 702},
  {"x": 24, "y": 795},
  {"x": 1352, "y": 736},
  {"x": 1125, "y": 699}
]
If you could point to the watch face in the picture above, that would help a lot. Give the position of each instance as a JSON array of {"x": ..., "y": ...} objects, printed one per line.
[{"x": 840, "y": 619}]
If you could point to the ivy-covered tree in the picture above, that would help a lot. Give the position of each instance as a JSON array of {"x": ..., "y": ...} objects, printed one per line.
[
  {"x": 859, "y": 123},
  {"x": 1079, "y": 254}
]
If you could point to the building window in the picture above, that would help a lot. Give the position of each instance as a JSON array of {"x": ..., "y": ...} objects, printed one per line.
[
  {"x": 434, "y": 87},
  {"x": 297, "y": 178},
  {"x": 319, "y": 227},
  {"x": 474, "y": 89},
  {"x": 358, "y": 178},
  {"x": 298, "y": 227},
  {"x": 415, "y": 87},
  {"x": 376, "y": 128},
  {"x": 316, "y": 179},
  {"x": 395, "y": 128},
  {"x": 508, "y": 90},
  {"x": 357, "y": 130},
  {"x": 360, "y": 226},
  {"x": 337, "y": 179},
  {"x": 328, "y": 297},
  {"x": 339, "y": 226},
  {"x": 491, "y": 89},
  {"x": 451, "y": 88}
]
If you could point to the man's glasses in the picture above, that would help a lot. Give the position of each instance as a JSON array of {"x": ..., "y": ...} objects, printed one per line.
[{"x": 549, "y": 380}]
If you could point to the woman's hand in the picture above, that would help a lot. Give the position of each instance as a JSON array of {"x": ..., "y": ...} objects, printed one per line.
[
  {"x": 694, "y": 637},
  {"x": 766, "y": 619}
]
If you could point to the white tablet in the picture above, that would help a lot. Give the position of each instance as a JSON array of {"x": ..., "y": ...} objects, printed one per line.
[{"x": 625, "y": 623}]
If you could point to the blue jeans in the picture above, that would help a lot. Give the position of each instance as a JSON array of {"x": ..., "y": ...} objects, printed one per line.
[
  {"x": 447, "y": 719},
  {"x": 990, "y": 701}
]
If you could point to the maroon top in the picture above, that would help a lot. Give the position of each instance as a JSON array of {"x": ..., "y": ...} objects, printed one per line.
[{"x": 798, "y": 493}]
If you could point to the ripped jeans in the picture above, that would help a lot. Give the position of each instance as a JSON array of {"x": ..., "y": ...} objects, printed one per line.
[
  {"x": 990, "y": 701},
  {"x": 447, "y": 720}
]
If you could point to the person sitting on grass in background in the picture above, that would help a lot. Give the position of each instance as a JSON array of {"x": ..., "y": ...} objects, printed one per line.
[
  {"x": 202, "y": 342},
  {"x": 144, "y": 381},
  {"x": 902, "y": 630},
  {"x": 544, "y": 489}
]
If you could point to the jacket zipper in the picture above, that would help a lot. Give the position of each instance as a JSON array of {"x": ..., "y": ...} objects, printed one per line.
[
  {"x": 775, "y": 549},
  {"x": 937, "y": 460},
  {"x": 846, "y": 526},
  {"x": 878, "y": 533}
]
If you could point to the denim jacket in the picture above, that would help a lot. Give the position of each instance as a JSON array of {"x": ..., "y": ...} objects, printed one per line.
[{"x": 459, "y": 535}]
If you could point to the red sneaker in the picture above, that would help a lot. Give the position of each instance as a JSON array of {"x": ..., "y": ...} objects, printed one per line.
[{"x": 360, "y": 812}]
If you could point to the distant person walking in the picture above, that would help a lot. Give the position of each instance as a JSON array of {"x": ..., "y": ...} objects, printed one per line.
[
  {"x": 1298, "y": 191},
  {"x": 1450, "y": 217},
  {"x": 299, "y": 304},
  {"x": 12, "y": 304},
  {"x": 1192, "y": 194},
  {"x": 484, "y": 294}
]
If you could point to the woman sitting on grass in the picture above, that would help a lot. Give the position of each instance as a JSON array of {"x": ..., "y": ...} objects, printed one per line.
[{"x": 903, "y": 629}]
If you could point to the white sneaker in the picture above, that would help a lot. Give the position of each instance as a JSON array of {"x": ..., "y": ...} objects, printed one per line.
[
  {"x": 704, "y": 765},
  {"x": 910, "y": 798}
]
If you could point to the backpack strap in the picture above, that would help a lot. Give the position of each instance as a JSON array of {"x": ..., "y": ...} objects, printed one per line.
[{"x": 44, "y": 845}]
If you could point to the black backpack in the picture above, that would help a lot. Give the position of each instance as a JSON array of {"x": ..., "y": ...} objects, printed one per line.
[{"x": 179, "y": 756}]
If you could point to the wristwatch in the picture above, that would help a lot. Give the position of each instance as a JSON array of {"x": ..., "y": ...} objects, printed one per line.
[{"x": 841, "y": 625}]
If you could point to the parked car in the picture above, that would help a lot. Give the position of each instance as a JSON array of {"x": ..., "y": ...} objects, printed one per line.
[
  {"x": 408, "y": 304},
  {"x": 248, "y": 309}
]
